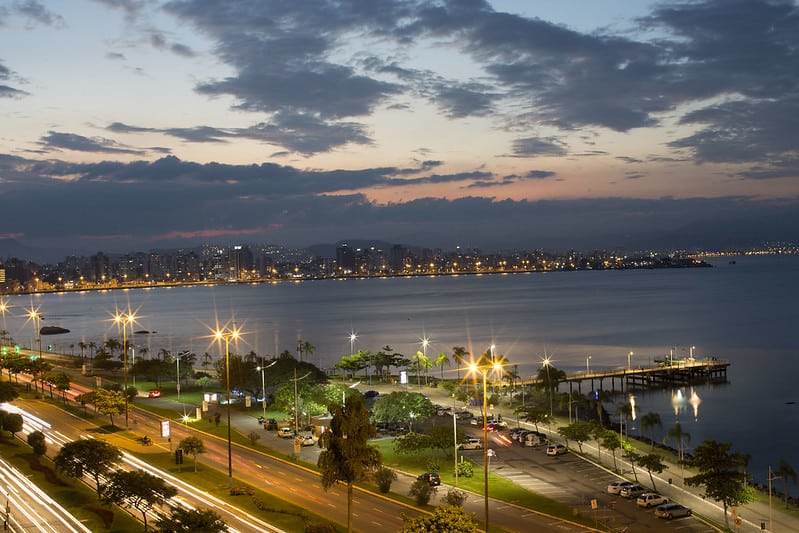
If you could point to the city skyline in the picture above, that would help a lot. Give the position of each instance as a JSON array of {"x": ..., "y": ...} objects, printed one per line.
[{"x": 137, "y": 125}]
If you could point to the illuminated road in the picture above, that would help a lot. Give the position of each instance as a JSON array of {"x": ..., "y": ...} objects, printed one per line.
[{"x": 27, "y": 508}]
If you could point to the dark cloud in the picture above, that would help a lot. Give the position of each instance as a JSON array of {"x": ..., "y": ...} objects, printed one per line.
[
  {"x": 37, "y": 12},
  {"x": 539, "y": 174},
  {"x": 159, "y": 41},
  {"x": 7, "y": 91},
  {"x": 282, "y": 204},
  {"x": 534, "y": 146},
  {"x": 55, "y": 140}
]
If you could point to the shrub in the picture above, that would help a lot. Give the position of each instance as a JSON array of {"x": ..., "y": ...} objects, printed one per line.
[
  {"x": 384, "y": 477},
  {"x": 466, "y": 469},
  {"x": 421, "y": 492},
  {"x": 454, "y": 497}
]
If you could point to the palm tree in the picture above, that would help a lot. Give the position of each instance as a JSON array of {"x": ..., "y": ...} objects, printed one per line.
[
  {"x": 649, "y": 421},
  {"x": 460, "y": 354},
  {"x": 112, "y": 344},
  {"x": 677, "y": 435},
  {"x": 786, "y": 472},
  {"x": 82, "y": 345},
  {"x": 441, "y": 361},
  {"x": 308, "y": 348},
  {"x": 92, "y": 346}
]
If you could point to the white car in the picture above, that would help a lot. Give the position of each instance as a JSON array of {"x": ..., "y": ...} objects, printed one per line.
[
  {"x": 556, "y": 449},
  {"x": 471, "y": 444},
  {"x": 616, "y": 486},
  {"x": 651, "y": 499}
]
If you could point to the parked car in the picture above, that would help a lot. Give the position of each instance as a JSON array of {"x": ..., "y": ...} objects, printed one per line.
[
  {"x": 463, "y": 415},
  {"x": 514, "y": 432},
  {"x": 616, "y": 486},
  {"x": 371, "y": 394},
  {"x": 651, "y": 499},
  {"x": 285, "y": 433},
  {"x": 307, "y": 440},
  {"x": 556, "y": 449},
  {"x": 632, "y": 492},
  {"x": 270, "y": 424},
  {"x": 431, "y": 477},
  {"x": 532, "y": 439},
  {"x": 672, "y": 510},
  {"x": 471, "y": 443}
]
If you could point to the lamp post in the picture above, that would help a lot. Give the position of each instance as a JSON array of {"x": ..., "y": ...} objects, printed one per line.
[
  {"x": 36, "y": 319},
  {"x": 263, "y": 384},
  {"x": 484, "y": 368},
  {"x": 455, "y": 440},
  {"x": 124, "y": 319},
  {"x": 353, "y": 336},
  {"x": 629, "y": 361},
  {"x": 546, "y": 364},
  {"x": 227, "y": 334},
  {"x": 296, "y": 402},
  {"x": 587, "y": 365}
]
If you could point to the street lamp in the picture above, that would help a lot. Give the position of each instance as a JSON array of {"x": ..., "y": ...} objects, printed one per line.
[
  {"x": 263, "y": 384},
  {"x": 226, "y": 334},
  {"x": 36, "y": 317},
  {"x": 353, "y": 336},
  {"x": 629, "y": 361},
  {"x": 484, "y": 367},
  {"x": 546, "y": 364},
  {"x": 124, "y": 319},
  {"x": 587, "y": 366}
]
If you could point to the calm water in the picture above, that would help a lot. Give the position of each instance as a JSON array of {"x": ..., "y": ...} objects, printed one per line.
[{"x": 745, "y": 313}]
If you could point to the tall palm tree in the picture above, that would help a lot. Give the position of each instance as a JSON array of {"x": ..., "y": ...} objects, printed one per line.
[
  {"x": 441, "y": 361},
  {"x": 308, "y": 348},
  {"x": 649, "y": 421},
  {"x": 82, "y": 345},
  {"x": 92, "y": 346},
  {"x": 460, "y": 354},
  {"x": 678, "y": 436},
  {"x": 786, "y": 472}
]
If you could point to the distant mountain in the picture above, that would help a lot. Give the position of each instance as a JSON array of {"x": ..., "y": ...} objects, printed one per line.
[{"x": 11, "y": 248}]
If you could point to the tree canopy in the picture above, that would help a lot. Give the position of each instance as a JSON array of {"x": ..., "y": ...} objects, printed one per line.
[
  {"x": 139, "y": 489},
  {"x": 402, "y": 406},
  {"x": 445, "y": 519},
  {"x": 722, "y": 473},
  {"x": 87, "y": 456},
  {"x": 346, "y": 454}
]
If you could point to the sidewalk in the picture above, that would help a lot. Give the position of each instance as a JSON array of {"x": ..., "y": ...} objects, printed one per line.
[{"x": 754, "y": 516}]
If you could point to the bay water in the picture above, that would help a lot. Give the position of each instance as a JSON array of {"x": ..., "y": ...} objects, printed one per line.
[{"x": 744, "y": 310}]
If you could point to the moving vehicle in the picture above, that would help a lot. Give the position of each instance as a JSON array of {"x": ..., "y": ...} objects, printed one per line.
[
  {"x": 307, "y": 440},
  {"x": 556, "y": 449},
  {"x": 651, "y": 499},
  {"x": 532, "y": 439},
  {"x": 431, "y": 477},
  {"x": 672, "y": 510},
  {"x": 285, "y": 433}
]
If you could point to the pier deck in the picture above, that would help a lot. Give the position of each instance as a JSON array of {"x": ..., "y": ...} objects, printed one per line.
[{"x": 663, "y": 374}]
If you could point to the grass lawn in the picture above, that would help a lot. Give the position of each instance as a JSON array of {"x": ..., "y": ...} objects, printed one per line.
[{"x": 499, "y": 487}]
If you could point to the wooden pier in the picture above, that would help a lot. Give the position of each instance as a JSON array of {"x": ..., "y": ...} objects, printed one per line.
[{"x": 663, "y": 374}]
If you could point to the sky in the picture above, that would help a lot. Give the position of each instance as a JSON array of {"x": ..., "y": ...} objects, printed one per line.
[{"x": 128, "y": 125}]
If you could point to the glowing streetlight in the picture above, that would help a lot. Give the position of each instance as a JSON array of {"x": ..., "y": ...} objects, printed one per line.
[
  {"x": 124, "y": 319},
  {"x": 35, "y": 318},
  {"x": 629, "y": 361},
  {"x": 226, "y": 334},
  {"x": 353, "y": 336},
  {"x": 263, "y": 384},
  {"x": 484, "y": 367},
  {"x": 546, "y": 363},
  {"x": 3, "y": 308},
  {"x": 587, "y": 365}
]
